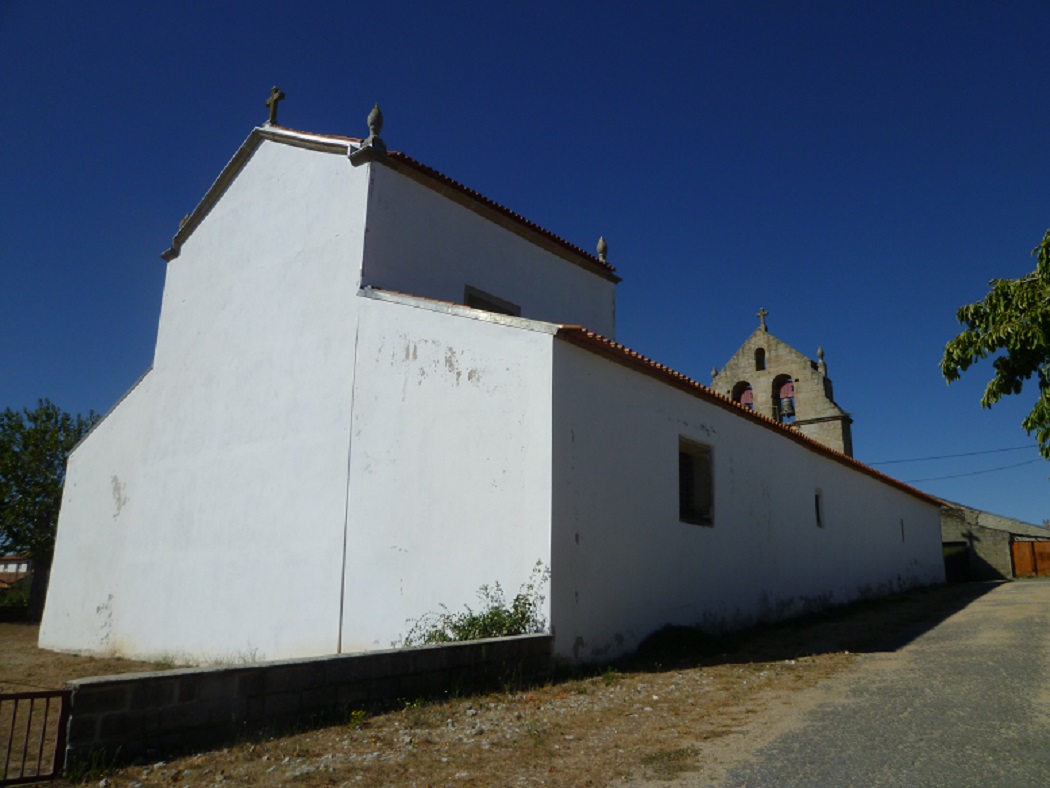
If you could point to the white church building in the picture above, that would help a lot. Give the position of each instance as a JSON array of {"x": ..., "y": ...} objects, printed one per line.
[{"x": 375, "y": 390}]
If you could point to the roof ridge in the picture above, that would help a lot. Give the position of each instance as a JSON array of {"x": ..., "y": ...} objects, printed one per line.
[{"x": 339, "y": 137}]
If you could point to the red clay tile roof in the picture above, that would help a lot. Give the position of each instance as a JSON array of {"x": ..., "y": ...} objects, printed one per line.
[
  {"x": 596, "y": 343},
  {"x": 430, "y": 172}
]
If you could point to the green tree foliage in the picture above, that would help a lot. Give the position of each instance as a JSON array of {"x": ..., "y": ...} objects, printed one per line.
[
  {"x": 34, "y": 445},
  {"x": 1013, "y": 318}
]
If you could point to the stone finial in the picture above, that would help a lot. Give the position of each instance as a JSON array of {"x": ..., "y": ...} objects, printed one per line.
[
  {"x": 603, "y": 248},
  {"x": 373, "y": 145},
  {"x": 375, "y": 127},
  {"x": 820, "y": 353},
  {"x": 276, "y": 96},
  {"x": 714, "y": 372},
  {"x": 761, "y": 314},
  {"x": 822, "y": 368}
]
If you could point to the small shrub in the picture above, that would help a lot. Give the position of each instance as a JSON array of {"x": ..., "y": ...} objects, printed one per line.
[{"x": 494, "y": 619}]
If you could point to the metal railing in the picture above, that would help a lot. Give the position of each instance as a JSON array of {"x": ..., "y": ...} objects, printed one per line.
[{"x": 33, "y": 735}]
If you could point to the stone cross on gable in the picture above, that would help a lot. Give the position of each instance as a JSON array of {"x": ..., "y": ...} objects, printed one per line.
[
  {"x": 762, "y": 318},
  {"x": 276, "y": 95}
]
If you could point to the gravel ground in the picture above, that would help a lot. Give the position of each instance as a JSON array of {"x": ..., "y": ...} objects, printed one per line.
[
  {"x": 962, "y": 705},
  {"x": 689, "y": 711}
]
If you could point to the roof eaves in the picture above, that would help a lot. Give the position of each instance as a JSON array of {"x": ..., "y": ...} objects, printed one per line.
[
  {"x": 581, "y": 337},
  {"x": 584, "y": 258},
  {"x": 461, "y": 310}
]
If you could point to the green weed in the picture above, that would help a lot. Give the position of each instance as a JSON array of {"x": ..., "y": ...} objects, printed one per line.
[{"x": 496, "y": 618}]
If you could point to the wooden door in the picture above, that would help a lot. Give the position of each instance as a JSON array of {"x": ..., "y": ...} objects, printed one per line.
[
  {"x": 1041, "y": 552},
  {"x": 1031, "y": 559}
]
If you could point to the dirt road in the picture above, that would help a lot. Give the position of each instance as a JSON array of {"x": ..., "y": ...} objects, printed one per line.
[{"x": 964, "y": 704}]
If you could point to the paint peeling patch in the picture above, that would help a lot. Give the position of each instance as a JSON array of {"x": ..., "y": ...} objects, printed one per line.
[
  {"x": 452, "y": 363},
  {"x": 474, "y": 376},
  {"x": 105, "y": 620},
  {"x": 120, "y": 499}
]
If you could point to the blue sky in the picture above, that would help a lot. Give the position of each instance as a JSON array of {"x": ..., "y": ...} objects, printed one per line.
[{"x": 859, "y": 169}]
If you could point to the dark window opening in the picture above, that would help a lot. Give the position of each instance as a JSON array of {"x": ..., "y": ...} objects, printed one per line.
[
  {"x": 695, "y": 483},
  {"x": 818, "y": 504},
  {"x": 760, "y": 359},
  {"x": 479, "y": 299}
]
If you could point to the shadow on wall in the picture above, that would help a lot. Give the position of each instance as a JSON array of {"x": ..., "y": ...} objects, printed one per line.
[{"x": 964, "y": 564}]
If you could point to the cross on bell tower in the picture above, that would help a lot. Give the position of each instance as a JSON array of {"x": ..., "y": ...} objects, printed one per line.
[{"x": 762, "y": 318}]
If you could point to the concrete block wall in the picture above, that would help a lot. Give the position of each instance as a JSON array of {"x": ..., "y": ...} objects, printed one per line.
[{"x": 133, "y": 714}]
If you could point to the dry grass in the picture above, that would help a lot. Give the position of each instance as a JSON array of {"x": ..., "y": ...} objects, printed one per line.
[{"x": 25, "y": 668}]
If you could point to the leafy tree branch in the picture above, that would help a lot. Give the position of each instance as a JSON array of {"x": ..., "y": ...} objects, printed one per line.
[{"x": 1014, "y": 321}]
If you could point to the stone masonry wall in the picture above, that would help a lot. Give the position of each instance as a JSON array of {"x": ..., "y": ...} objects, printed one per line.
[
  {"x": 136, "y": 713},
  {"x": 816, "y": 413}
]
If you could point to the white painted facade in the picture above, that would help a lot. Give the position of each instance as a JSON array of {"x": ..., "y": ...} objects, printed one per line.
[
  {"x": 622, "y": 560},
  {"x": 450, "y": 462},
  {"x": 328, "y": 445}
]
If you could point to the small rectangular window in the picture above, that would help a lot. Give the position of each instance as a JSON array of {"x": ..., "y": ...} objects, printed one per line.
[
  {"x": 818, "y": 504},
  {"x": 479, "y": 299},
  {"x": 696, "y": 489}
]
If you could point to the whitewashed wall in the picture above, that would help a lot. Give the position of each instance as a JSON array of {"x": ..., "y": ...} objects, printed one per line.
[
  {"x": 623, "y": 565},
  {"x": 449, "y": 466},
  {"x": 234, "y": 468},
  {"x": 423, "y": 243},
  {"x": 86, "y": 596}
]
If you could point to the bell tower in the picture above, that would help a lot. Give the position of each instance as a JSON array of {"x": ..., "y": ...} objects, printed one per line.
[{"x": 771, "y": 377}]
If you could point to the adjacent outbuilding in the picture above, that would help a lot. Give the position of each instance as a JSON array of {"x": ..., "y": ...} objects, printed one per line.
[{"x": 979, "y": 545}]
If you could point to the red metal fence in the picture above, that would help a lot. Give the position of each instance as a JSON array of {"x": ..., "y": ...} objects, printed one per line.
[{"x": 32, "y": 735}]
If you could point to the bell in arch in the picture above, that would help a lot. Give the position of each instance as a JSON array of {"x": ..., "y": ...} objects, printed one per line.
[{"x": 787, "y": 407}]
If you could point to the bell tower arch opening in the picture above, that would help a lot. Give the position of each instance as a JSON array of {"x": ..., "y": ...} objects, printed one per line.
[
  {"x": 744, "y": 394},
  {"x": 784, "y": 399}
]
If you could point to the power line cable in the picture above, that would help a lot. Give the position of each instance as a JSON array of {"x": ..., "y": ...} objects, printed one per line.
[
  {"x": 950, "y": 456},
  {"x": 971, "y": 473}
]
